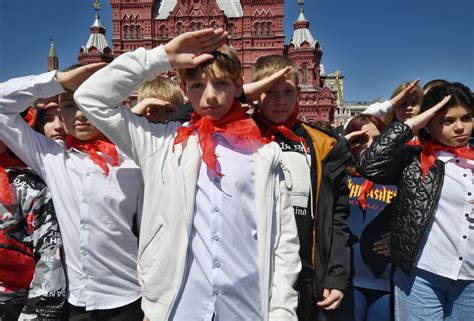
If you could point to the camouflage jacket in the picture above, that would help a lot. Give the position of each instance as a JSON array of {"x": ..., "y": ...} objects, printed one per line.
[{"x": 32, "y": 221}]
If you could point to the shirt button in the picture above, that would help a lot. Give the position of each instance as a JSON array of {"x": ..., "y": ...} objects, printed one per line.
[
  {"x": 460, "y": 258},
  {"x": 469, "y": 193},
  {"x": 88, "y": 174},
  {"x": 216, "y": 238},
  {"x": 216, "y": 292},
  {"x": 466, "y": 215},
  {"x": 217, "y": 265},
  {"x": 464, "y": 175},
  {"x": 464, "y": 236},
  {"x": 216, "y": 209}
]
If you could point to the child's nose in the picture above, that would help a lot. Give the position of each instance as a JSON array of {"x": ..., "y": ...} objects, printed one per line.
[{"x": 211, "y": 92}]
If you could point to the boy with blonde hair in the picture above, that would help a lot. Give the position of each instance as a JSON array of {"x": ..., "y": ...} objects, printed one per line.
[
  {"x": 159, "y": 99},
  {"x": 313, "y": 163},
  {"x": 218, "y": 239}
]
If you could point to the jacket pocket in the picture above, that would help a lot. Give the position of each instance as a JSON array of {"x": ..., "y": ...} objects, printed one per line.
[{"x": 151, "y": 268}]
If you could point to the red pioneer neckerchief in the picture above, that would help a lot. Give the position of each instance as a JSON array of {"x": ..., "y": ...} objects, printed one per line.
[
  {"x": 285, "y": 129},
  {"x": 428, "y": 154},
  {"x": 6, "y": 160},
  {"x": 103, "y": 145},
  {"x": 236, "y": 122}
]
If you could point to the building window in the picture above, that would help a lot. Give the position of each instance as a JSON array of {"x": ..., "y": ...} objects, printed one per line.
[
  {"x": 194, "y": 26},
  {"x": 163, "y": 34},
  {"x": 125, "y": 32},
  {"x": 269, "y": 29},
  {"x": 179, "y": 28},
  {"x": 304, "y": 75},
  {"x": 214, "y": 25},
  {"x": 200, "y": 26},
  {"x": 132, "y": 32},
  {"x": 262, "y": 29},
  {"x": 139, "y": 32},
  {"x": 257, "y": 28},
  {"x": 231, "y": 30}
]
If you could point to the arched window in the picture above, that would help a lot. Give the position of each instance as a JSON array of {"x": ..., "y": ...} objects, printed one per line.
[
  {"x": 132, "y": 32},
  {"x": 179, "y": 28},
  {"x": 304, "y": 75},
  {"x": 262, "y": 29},
  {"x": 231, "y": 30},
  {"x": 269, "y": 29},
  {"x": 257, "y": 28},
  {"x": 139, "y": 32},
  {"x": 163, "y": 34},
  {"x": 194, "y": 26},
  {"x": 214, "y": 25},
  {"x": 125, "y": 32},
  {"x": 200, "y": 26}
]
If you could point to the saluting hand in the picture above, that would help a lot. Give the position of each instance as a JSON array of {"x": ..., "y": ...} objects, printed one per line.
[
  {"x": 72, "y": 79},
  {"x": 190, "y": 49},
  {"x": 421, "y": 120}
]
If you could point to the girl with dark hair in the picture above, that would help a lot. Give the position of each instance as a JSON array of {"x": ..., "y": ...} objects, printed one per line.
[
  {"x": 432, "y": 242},
  {"x": 48, "y": 120},
  {"x": 368, "y": 297}
]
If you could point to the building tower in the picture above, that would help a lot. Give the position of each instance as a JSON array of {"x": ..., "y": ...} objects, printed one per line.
[
  {"x": 97, "y": 48},
  {"x": 255, "y": 26},
  {"x": 316, "y": 102},
  {"x": 53, "y": 62}
]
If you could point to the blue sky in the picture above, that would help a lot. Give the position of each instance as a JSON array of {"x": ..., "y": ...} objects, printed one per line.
[{"x": 375, "y": 43}]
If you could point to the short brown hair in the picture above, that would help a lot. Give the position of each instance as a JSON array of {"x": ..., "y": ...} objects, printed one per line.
[
  {"x": 226, "y": 60},
  {"x": 268, "y": 65},
  {"x": 162, "y": 88}
]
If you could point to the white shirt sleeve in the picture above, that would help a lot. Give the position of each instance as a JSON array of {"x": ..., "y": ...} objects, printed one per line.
[
  {"x": 99, "y": 96},
  {"x": 379, "y": 109},
  {"x": 16, "y": 95}
]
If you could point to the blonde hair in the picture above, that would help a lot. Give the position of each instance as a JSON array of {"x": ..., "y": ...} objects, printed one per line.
[
  {"x": 162, "y": 88},
  {"x": 268, "y": 65},
  {"x": 416, "y": 96},
  {"x": 226, "y": 61}
]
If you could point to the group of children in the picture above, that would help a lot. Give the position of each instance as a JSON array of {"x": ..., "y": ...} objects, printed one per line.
[{"x": 227, "y": 217}]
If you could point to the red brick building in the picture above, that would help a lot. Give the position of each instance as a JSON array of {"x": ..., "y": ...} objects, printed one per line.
[{"x": 255, "y": 28}]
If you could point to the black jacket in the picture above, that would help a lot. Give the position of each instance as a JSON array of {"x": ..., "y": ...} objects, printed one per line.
[
  {"x": 331, "y": 204},
  {"x": 389, "y": 160}
]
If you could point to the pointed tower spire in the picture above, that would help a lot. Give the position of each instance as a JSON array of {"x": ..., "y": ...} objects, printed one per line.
[
  {"x": 302, "y": 33},
  {"x": 301, "y": 3},
  {"x": 340, "y": 95},
  {"x": 52, "y": 57},
  {"x": 97, "y": 48}
]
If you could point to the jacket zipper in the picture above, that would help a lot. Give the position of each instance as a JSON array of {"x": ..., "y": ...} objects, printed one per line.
[
  {"x": 267, "y": 248},
  {"x": 438, "y": 194}
]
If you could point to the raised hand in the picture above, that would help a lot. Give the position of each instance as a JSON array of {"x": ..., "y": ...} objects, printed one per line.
[
  {"x": 72, "y": 79},
  {"x": 253, "y": 90},
  {"x": 403, "y": 95},
  {"x": 190, "y": 49},
  {"x": 150, "y": 103},
  {"x": 421, "y": 120}
]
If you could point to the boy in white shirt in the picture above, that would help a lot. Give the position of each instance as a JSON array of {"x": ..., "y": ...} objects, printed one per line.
[
  {"x": 96, "y": 192},
  {"x": 218, "y": 239}
]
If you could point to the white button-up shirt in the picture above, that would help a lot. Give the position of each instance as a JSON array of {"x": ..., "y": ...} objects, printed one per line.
[
  {"x": 447, "y": 247},
  {"x": 222, "y": 275},
  {"x": 95, "y": 211}
]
